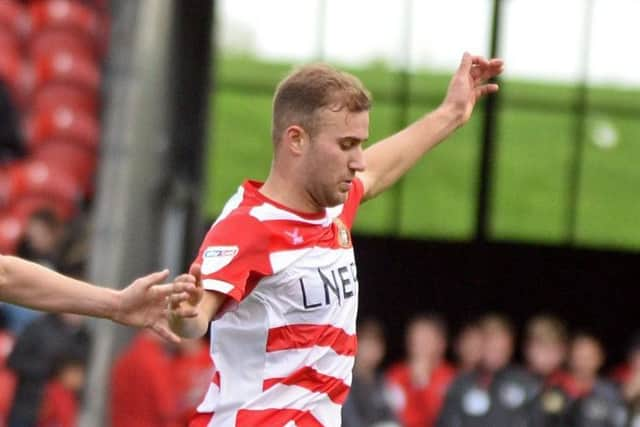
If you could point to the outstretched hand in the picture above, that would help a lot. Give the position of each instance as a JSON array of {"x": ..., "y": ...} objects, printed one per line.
[
  {"x": 184, "y": 308},
  {"x": 469, "y": 84},
  {"x": 144, "y": 303}
]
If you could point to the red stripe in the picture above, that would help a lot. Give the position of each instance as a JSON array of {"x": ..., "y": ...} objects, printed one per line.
[
  {"x": 200, "y": 420},
  {"x": 216, "y": 379},
  {"x": 275, "y": 418},
  {"x": 313, "y": 380},
  {"x": 306, "y": 336}
]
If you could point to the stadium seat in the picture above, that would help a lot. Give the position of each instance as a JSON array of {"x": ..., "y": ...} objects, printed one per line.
[
  {"x": 66, "y": 14},
  {"x": 62, "y": 95},
  {"x": 35, "y": 177},
  {"x": 77, "y": 160},
  {"x": 11, "y": 71},
  {"x": 68, "y": 67},
  {"x": 62, "y": 123},
  {"x": 11, "y": 229},
  {"x": 13, "y": 16},
  {"x": 55, "y": 39},
  {"x": 8, "y": 40}
]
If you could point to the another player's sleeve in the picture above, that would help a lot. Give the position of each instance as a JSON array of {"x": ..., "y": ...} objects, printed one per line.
[
  {"x": 351, "y": 205},
  {"x": 234, "y": 256}
]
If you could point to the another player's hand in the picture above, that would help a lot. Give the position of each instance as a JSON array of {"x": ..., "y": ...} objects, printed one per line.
[
  {"x": 180, "y": 308},
  {"x": 144, "y": 302},
  {"x": 469, "y": 84}
]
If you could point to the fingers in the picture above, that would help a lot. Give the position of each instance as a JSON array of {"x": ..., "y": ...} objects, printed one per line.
[
  {"x": 165, "y": 333},
  {"x": 194, "y": 270},
  {"x": 154, "y": 278},
  {"x": 465, "y": 63},
  {"x": 486, "y": 89},
  {"x": 163, "y": 291},
  {"x": 184, "y": 311}
]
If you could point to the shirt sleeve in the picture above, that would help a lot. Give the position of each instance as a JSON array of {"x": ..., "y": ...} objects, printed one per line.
[
  {"x": 351, "y": 205},
  {"x": 234, "y": 256}
]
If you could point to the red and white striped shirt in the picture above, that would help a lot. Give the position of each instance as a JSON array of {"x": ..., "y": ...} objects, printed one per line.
[{"x": 284, "y": 345}]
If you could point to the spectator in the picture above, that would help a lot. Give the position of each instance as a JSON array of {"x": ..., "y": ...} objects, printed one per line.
[
  {"x": 61, "y": 396},
  {"x": 598, "y": 402},
  {"x": 43, "y": 342},
  {"x": 367, "y": 403},
  {"x": 496, "y": 393},
  {"x": 628, "y": 376},
  {"x": 545, "y": 351},
  {"x": 418, "y": 385},
  {"x": 40, "y": 243},
  {"x": 468, "y": 347},
  {"x": 192, "y": 371},
  {"x": 143, "y": 392}
]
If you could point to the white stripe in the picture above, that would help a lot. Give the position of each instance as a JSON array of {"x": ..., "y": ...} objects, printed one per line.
[
  {"x": 238, "y": 340},
  {"x": 217, "y": 285},
  {"x": 232, "y": 204},
  {"x": 282, "y": 396},
  {"x": 280, "y": 364},
  {"x": 268, "y": 212},
  {"x": 210, "y": 399},
  {"x": 283, "y": 259}
]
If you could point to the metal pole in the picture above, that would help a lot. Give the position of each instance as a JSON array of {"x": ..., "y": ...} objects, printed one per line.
[
  {"x": 404, "y": 103},
  {"x": 581, "y": 108},
  {"x": 483, "y": 207}
]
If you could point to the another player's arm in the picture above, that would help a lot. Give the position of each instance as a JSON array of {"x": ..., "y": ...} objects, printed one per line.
[
  {"x": 206, "y": 305},
  {"x": 388, "y": 160},
  {"x": 141, "y": 304}
]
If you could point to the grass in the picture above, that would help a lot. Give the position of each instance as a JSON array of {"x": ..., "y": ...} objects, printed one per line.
[{"x": 534, "y": 151}]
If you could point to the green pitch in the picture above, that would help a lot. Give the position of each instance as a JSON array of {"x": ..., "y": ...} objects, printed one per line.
[{"x": 437, "y": 199}]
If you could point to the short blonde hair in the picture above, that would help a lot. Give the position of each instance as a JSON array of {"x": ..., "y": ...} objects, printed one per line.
[
  {"x": 547, "y": 328},
  {"x": 310, "y": 88}
]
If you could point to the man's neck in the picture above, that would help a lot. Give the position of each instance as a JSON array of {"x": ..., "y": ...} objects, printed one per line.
[{"x": 288, "y": 192}]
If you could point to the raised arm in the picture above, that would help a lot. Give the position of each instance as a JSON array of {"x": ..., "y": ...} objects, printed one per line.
[
  {"x": 142, "y": 304},
  {"x": 388, "y": 160}
]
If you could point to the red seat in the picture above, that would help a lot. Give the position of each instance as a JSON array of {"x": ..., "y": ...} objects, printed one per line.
[
  {"x": 55, "y": 39},
  {"x": 11, "y": 229},
  {"x": 13, "y": 16},
  {"x": 62, "y": 123},
  {"x": 62, "y": 95},
  {"x": 75, "y": 159},
  {"x": 66, "y": 66},
  {"x": 8, "y": 39},
  {"x": 12, "y": 72},
  {"x": 69, "y": 14},
  {"x": 35, "y": 177}
]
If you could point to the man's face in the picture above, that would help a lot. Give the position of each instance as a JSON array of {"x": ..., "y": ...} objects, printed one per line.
[
  {"x": 497, "y": 348},
  {"x": 425, "y": 341},
  {"x": 334, "y": 155},
  {"x": 586, "y": 357},
  {"x": 544, "y": 356}
]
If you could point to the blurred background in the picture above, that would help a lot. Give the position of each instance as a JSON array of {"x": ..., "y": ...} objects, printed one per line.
[{"x": 126, "y": 125}]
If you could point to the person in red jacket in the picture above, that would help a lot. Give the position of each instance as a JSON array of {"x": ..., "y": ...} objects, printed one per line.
[
  {"x": 192, "y": 372},
  {"x": 143, "y": 392},
  {"x": 418, "y": 385},
  {"x": 60, "y": 402}
]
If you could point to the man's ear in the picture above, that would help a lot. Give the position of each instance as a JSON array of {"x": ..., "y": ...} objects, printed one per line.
[{"x": 295, "y": 139}]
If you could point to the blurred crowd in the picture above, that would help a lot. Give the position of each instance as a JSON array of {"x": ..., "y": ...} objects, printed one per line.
[
  {"x": 44, "y": 357},
  {"x": 470, "y": 381},
  {"x": 559, "y": 384}
]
